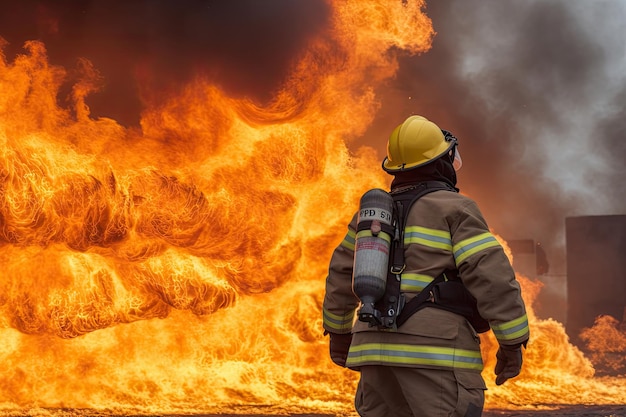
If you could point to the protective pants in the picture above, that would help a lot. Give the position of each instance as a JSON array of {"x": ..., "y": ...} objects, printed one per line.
[{"x": 386, "y": 391}]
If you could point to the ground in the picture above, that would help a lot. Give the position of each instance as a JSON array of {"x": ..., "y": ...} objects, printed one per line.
[
  {"x": 573, "y": 411},
  {"x": 562, "y": 411}
]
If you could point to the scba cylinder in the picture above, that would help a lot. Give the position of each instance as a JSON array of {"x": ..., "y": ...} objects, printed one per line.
[{"x": 371, "y": 257}]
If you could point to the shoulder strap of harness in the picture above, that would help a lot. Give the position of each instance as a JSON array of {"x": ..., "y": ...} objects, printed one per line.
[
  {"x": 392, "y": 302},
  {"x": 404, "y": 198},
  {"x": 446, "y": 291}
]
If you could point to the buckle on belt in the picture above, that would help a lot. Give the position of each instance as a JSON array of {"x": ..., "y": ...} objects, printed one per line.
[{"x": 397, "y": 270}]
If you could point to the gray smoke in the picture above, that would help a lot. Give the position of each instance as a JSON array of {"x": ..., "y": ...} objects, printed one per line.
[{"x": 536, "y": 93}]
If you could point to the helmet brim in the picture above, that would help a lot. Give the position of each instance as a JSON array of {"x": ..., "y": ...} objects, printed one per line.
[{"x": 389, "y": 167}]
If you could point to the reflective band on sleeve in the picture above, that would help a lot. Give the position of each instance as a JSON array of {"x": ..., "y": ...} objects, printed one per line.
[
  {"x": 511, "y": 330},
  {"x": 341, "y": 324},
  {"x": 348, "y": 241},
  {"x": 414, "y": 282},
  {"x": 469, "y": 247},
  {"x": 438, "y": 239},
  {"x": 411, "y": 355}
]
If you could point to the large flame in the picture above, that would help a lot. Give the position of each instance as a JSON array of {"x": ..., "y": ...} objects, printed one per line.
[{"x": 181, "y": 267}]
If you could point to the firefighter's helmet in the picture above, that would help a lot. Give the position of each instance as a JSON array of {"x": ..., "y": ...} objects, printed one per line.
[{"x": 415, "y": 143}]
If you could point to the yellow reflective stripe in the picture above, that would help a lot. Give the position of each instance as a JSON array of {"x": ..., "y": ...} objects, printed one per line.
[
  {"x": 403, "y": 354},
  {"x": 341, "y": 323},
  {"x": 511, "y": 330},
  {"x": 348, "y": 241},
  {"x": 368, "y": 233},
  {"x": 468, "y": 247},
  {"x": 414, "y": 282},
  {"x": 433, "y": 238}
]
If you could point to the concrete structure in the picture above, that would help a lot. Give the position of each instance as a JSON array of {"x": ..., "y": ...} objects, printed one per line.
[
  {"x": 529, "y": 258},
  {"x": 596, "y": 270}
]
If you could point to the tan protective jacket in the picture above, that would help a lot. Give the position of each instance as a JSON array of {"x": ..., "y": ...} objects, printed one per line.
[{"x": 444, "y": 230}]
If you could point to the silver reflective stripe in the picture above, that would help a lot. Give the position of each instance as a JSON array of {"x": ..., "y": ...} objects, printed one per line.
[
  {"x": 411, "y": 282},
  {"x": 341, "y": 324},
  {"x": 433, "y": 238},
  {"x": 511, "y": 330},
  {"x": 469, "y": 247},
  {"x": 411, "y": 355},
  {"x": 348, "y": 241}
]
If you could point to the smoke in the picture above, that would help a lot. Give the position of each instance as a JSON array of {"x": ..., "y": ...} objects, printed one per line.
[
  {"x": 146, "y": 46},
  {"x": 536, "y": 93}
]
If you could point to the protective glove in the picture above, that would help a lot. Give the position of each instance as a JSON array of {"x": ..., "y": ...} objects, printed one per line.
[
  {"x": 339, "y": 346},
  {"x": 509, "y": 362}
]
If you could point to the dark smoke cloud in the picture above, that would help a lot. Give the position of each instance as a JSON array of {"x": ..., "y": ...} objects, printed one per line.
[
  {"x": 244, "y": 46},
  {"x": 536, "y": 93}
]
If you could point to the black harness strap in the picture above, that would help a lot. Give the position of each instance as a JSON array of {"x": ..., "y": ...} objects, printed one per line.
[
  {"x": 446, "y": 291},
  {"x": 404, "y": 198},
  {"x": 418, "y": 302}
]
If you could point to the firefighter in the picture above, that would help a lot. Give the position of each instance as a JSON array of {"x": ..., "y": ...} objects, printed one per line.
[{"x": 431, "y": 364}]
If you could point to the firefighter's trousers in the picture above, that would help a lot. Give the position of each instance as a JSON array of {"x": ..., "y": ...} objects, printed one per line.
[{"x": 386, "y": 391}]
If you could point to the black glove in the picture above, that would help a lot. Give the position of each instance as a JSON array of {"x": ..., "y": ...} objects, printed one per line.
[
  {"x": 339, "y": 346},
  {"x": 509, "y": 362}
]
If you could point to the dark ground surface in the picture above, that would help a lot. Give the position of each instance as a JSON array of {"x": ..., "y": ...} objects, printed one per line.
[
  {"x": 562, "y": 411},
  {"x": 573, "y": 411}
]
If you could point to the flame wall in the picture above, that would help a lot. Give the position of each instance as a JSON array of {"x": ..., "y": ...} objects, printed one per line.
[{"x": 177, "y": 264}]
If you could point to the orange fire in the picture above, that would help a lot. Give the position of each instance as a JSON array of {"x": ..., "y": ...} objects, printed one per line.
[{"x": 180, "y": 267}]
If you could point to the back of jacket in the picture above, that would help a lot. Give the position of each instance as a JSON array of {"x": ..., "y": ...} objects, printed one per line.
[{"x": 444, "y": 230}]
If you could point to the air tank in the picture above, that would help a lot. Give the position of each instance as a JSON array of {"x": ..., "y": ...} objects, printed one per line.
[{"x": 371, "y": 257}]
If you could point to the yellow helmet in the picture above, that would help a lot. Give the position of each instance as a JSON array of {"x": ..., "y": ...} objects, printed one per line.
[{"x": 415, "y": 143}]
